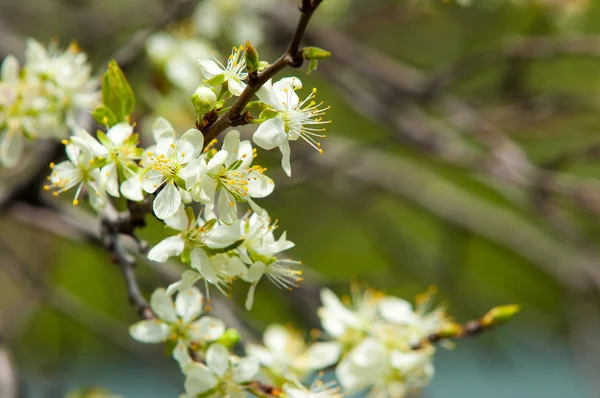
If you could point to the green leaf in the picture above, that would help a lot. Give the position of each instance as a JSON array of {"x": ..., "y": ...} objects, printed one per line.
[
  {"x": 252, "y": 60},
  {"x": 104, "y": 140},
  {"x": 312, "y": 65},
  {"x": 268, "y": 114},
  {"x": 315, "y": 53},
  {"x": 104, "y": 116},
  {"x": 117, "y": 94}
]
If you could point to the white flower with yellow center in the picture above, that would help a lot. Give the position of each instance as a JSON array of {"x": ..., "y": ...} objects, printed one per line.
[
  {"x": 234, "y": 73},
  {"x": 286, "y": 353},
  {"x": 164, "y": 162},
  {"x": 224, "y": 375},
  {"x": 118, "y": 151},
  {"x": 178, "y": 321},
  {"x": 78, "y": 172},
  {"x": 259, "y": 250},
  {"x": 294, "y": 119},
  {"x": 232, "y": 176},
  {"x": 202, "y": 243}
]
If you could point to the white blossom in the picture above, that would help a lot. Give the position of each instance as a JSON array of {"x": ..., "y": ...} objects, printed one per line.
[
  {"x": 223, "y": 375},
  {"x": 234, "y": 73},
  {"x": 179, "y": 321},
  {"x": 78, "y": 172},
  {"x": 236, "y": 19},
  {"x": 177, "y": 58},
  {"x": 118, "y": 152},
  {"x": 232, "y": 176},
  {"x": 317, "y": 390},
  {"x": 164, "y": 162},
  {"x": 285, "y": 352},
  {"x": 200, "y": 240},
  {"x": 294, "y": 118}
]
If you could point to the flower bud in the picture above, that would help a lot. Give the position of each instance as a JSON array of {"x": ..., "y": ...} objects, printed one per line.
[
  {"x": 499, "y": 314},
  {"x": 204, "y": 99},
  {"x": 230, "y": 338},
  {"x": 252, "y": 60}
]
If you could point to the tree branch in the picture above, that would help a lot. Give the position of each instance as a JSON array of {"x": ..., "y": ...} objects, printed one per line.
[{"x": 292, "y": 57}]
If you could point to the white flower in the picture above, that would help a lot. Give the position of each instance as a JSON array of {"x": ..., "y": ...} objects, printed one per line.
[
  {"x": 234, "y": 73},
  {"x": 294, "y": 119},
  {"x": 201, "y": 242},
  {"x": 285, "y": 351},
  {"x": 118, "y": 151},
  {"x": 67, "y": 73},
  {"x": 78, "y": 171},
  {"x": 223, "y": 375},
  {"x": 259, "y": 250},
  {"x": 366, "y": 365},
  {"x": 178, "y": 321},
  {"x": 232, "y": 176},
  {"x": 317, "y": 390},
  {"x": 237, "y": 19},
  {"x": 164, "y": 162},
  {"x": 345, "y": 323},
  {"x": 259, "y": 240},
  {"x": 177, "y": 57}
]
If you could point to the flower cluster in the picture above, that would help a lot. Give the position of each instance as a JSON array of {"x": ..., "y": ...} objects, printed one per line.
[
  {"x": 370, "y": 340},
  {"x": 209, "y": 200},
  {"x": 42, "y": 98}
]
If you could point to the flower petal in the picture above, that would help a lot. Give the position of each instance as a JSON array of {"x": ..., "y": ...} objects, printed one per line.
[
  {"x": 188, "y": 304},
  {"x": 189, "y": 145},
  {"x": 235, "y": 87},
  {"x": 182, "y": 355},
  {"x": 202, "y": 263},
  {"x": 178, "y": 221},
  {"x": 270, "y": 134},
  {"x": 150, "y": 331},
  {"x": 131, "y": 188},
  {"x": 207, "y": 328},
  {"x": 168, "y": 247},
  {"x": 221, "y": 236},
  {"x": 245, "y": 370},
  {"x": 285, "y": 158},
  {"x": 110, "y": 179},
  {"x": 119, "y": 133},
  {"x": 152, "y": 180},
  {"x": 11, "y": 148},
  {"x": 199, "y": 378},
  {"x": 210, "y": 69},
  {"x": 323, "y": 354},
  {"x": 161, "y": 128},
  {"x": 163, "y": 305},
  {"x": 166, "y": 202},
  {"x": 188, "y": 279},
  {"x": 217, "y": 359}
]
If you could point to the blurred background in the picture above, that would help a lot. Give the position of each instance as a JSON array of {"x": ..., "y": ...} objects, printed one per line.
[{"x": 462, "y": 154}]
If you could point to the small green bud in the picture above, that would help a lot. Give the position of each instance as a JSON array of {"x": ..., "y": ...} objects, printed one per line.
[
  {"x": 315, "y": 53},
  {"x": 204, "y": 99},
  {"x": 230, "y": 338},
  {"x": 499, "y": 314},
  {"x": 252, "y": 61},
  {"x": 451, "y": 330}
]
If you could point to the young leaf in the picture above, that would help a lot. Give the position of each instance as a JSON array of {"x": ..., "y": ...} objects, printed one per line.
[{"x": 117, "y": 94}]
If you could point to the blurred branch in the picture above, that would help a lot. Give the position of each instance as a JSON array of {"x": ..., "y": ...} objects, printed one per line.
[
  {"x": 66, "y": 303},
  {"x": 576, "y": 270}
]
